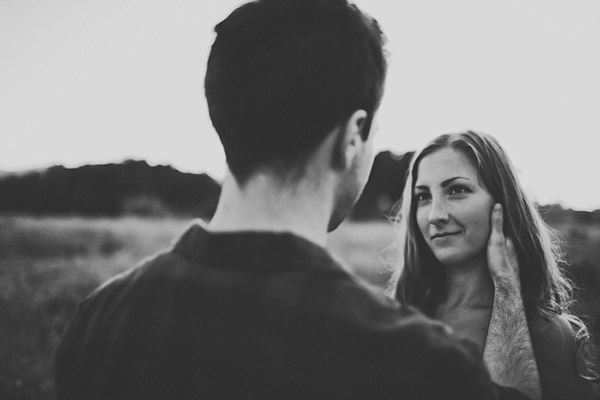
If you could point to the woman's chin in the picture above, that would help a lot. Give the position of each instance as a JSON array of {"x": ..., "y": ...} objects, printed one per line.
[{"x": 454, "y": 259}]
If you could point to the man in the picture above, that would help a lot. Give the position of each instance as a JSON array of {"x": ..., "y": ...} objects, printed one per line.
[{"x": 252, "y": 305}]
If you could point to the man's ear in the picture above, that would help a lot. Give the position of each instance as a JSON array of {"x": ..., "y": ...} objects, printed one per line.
[{"x": 349, "y": 139}]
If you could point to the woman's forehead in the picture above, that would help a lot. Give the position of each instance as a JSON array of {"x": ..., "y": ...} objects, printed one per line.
[{"x": 445, "y": 164}]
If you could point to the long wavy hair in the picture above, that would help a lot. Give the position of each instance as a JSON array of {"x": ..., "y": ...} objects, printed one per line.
[{"x": 418, "y": 277}]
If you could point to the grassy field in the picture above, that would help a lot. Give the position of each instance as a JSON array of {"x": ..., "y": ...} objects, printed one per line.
[{"x": 48, "y": 265}]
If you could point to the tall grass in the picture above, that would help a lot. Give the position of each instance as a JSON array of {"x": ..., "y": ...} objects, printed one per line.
[{"x": 47, "y": 266}]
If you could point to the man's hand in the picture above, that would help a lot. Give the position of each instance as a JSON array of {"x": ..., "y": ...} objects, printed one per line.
[
  {"x": 508, "y": 352},
  {"x": 502, "y": 258}
]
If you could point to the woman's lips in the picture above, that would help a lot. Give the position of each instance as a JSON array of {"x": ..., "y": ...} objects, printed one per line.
[{"x": 443, "y": 235}]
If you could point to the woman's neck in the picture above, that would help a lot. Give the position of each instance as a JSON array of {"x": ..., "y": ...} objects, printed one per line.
[
  {"x": 469, "y": 286},
  {"x": 468, "y": 304}
]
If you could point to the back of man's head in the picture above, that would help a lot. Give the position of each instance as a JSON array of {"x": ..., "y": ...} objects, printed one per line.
[{"x": 283, "y": 73}]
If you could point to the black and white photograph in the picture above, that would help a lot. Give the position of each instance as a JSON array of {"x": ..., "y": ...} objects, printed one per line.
[{"x": 299, "y": 199}]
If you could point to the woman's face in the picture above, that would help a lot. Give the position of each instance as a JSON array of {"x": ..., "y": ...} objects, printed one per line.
[{"x": 452, "y": 209}]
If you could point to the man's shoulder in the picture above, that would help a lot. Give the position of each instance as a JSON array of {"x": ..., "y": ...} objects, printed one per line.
[
  {"x": 387, "y": 328},
  {"x": 370, "y": 307},
  {"x": 137, "y": 288},
  {"x": 154, "y": 267}
]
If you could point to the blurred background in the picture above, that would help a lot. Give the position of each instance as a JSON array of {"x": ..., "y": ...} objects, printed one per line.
[{"x": 107, "y": 152}]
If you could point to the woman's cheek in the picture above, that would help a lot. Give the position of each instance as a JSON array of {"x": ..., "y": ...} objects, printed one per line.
[{"x": 422, "y": 221}]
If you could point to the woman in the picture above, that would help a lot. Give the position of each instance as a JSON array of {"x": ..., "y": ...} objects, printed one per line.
[{"x": 445, "y": 224}]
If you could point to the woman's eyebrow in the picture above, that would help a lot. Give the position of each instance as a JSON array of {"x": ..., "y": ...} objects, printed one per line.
[
  {"x": 444, "y": 183},
  {"x": 448, "y": 181}
]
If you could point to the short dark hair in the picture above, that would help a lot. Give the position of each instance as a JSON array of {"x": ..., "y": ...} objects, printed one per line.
[{"x": 282, "y": 73}]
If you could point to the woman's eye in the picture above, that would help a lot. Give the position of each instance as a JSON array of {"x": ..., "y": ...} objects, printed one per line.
[
  {"x": 458, "y": 190},
  {"x": 422, "y": 196}
]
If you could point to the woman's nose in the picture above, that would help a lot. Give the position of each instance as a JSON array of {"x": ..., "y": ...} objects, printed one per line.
[{"x": 438, "y": 213}]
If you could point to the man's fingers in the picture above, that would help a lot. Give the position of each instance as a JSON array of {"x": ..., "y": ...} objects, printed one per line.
[
  {"x": 497, "y": 221},
  {"x": 512, "y": 253}
]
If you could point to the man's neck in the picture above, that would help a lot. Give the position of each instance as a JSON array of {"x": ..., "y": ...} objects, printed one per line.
[{"x": 264, "y": 204}]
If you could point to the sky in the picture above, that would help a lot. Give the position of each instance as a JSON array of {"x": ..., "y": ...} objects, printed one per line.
[{"x": 99, "y": 81}]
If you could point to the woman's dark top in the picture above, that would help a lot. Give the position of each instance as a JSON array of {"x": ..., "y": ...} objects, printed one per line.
[{"x": 556, "y": 356}]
